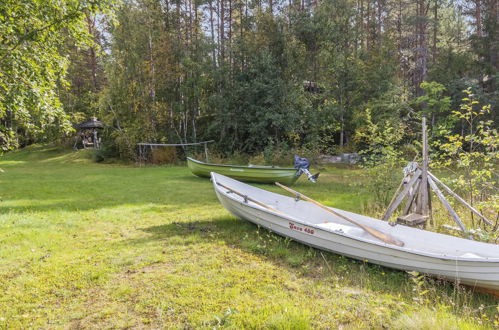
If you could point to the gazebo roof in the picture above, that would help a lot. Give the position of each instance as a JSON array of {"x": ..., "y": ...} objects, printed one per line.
[{"x": 92, "y": 123}]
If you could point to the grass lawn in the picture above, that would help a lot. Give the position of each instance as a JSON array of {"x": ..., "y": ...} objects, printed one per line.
[{"x": 115, "y": 246}]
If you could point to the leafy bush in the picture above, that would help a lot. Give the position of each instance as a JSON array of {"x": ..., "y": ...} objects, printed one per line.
[
  {"x": 473, "y": 155},
  {"x": 166, "y": 155},
  {"x": 382, "y": 157},
  {"x": 106, "y": 152}
]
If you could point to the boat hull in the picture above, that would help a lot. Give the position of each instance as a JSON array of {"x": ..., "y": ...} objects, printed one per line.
[
  {"x": 257, "y": 174},
  {"x": 482, "y": 272}
]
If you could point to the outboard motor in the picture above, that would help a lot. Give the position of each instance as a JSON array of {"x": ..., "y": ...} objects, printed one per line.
[{"x": 303, "y": 166}]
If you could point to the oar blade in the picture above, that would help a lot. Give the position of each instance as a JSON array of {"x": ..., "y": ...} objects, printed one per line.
[{"x": 384, "y": 237}]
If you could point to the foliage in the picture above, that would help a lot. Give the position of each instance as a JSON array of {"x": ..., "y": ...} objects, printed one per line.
[
  {"x": 104, "y": 153},
  {"x": 380, "y": 140},
  {"x": 473, "y": 155},
  {"x": 382, "y": 156},
  {"x": 32, "y": 66},
  {"x": 254, "y": 76},
  {"x": 263, "y": 109},
  {"x": 241, "y": 81},
  {"x": 433, "y": 101}
]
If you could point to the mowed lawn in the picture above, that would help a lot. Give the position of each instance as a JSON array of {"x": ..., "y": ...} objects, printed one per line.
[{"x": 86, "y": 245}]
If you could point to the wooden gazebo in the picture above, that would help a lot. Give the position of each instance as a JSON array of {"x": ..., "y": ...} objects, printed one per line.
[{"x": 87, "y": 134}]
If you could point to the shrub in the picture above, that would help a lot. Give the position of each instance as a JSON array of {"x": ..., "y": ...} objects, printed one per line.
[
  {"x": 164, "y": 155},
  {"x": 105, "y": 152}
]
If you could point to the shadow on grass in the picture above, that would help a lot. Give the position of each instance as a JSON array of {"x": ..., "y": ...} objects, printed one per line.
[
  {"x": 293, "y": 255},
  {"x": 48, "y": 178},
  {"x": 306, "y": 261},
  {"x": 77, "y": 204},
  {"x": 93, "y": 188}
]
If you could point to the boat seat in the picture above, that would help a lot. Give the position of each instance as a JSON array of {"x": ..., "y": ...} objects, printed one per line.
[
  {"x": 351, "y": 230},
  {"x": 471, "y": 255}
]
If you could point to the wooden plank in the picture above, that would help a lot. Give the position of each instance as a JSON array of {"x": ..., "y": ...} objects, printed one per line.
[
  {"x": 430, "y": 207},
  {"x": 391, "y": 208},
  {"x": 398, "y": 188},
  {"x": 456, "y": 196},
  {"x": 412, "y": 196},
  {"x": 447, "y": 205},
  {"x": 412, "y": 219}
]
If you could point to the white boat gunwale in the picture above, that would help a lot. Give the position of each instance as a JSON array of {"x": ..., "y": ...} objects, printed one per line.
[
  {"x": 354, "y": 237},
  {"x": 244, "y": 166}
]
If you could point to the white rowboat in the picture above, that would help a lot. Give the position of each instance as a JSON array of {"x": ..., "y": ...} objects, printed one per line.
[{"x": 468, "y": 262}]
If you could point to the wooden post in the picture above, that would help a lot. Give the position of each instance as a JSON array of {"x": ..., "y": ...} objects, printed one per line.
[
  {"x": 75, "y": 146},
  {"x": 423, "y": 189},
  {"x": 411, "y": 197},
  {"x": 447, "y": 205},
  {"x": 140, "y": 155},
  {"x": 206, "y": 150},
  {"x": 400, "y": 197},
  {"x": 430, "y": 207},
  {"x": 96, "y": 140},
  {"x": 398, "y": 189},
  {"x": 456, "y": 196}
]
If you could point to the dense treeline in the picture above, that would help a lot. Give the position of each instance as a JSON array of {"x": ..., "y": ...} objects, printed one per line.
[{"x": 256, "y": 76}]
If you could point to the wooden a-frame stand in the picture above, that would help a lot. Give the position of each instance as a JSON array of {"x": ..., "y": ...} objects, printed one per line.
[{"x": 415, "y": 189}]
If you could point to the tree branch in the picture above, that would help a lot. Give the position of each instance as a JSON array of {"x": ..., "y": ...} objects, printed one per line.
[{"x": 31, "y": 33}]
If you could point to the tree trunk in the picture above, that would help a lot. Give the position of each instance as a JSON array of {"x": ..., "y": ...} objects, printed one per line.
[
  {"x": 478, "y": 18},
  {"x": 492, "y": 29},
  {"x": 342, "y": 119},
  {"x": 212, "y": 30},
  {"x": 92, "y": 53},
  {"x": 361, "y": 25},
  {"x": 379, "y": 23},
  {"x": 435, "y": 31},
  {"x": 421, "y": 47},
  {"x": 221, "y": 31},
  {"x": 230, "y": 40},
  {"x": 368, "y": 26}
]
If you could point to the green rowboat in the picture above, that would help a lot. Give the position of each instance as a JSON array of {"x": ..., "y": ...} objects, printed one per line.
[{"x": 260, "y": 174}]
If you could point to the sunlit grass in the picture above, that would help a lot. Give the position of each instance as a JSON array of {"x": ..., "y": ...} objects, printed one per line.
[{"x": 115, "y": 246}]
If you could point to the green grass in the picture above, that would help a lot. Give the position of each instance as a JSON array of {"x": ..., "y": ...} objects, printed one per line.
[{"x": 115, "y": 246}]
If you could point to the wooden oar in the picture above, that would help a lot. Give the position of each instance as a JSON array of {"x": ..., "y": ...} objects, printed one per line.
[
  {"x": 246, "y": 197},
  {"x": 376, "y": 233}
]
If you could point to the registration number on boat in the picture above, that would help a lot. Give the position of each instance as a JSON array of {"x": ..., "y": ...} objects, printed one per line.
[{"x": 298, "y": 228}]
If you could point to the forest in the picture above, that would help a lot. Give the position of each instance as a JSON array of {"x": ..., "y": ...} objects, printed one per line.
[{"x": 258, "y": 77}]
